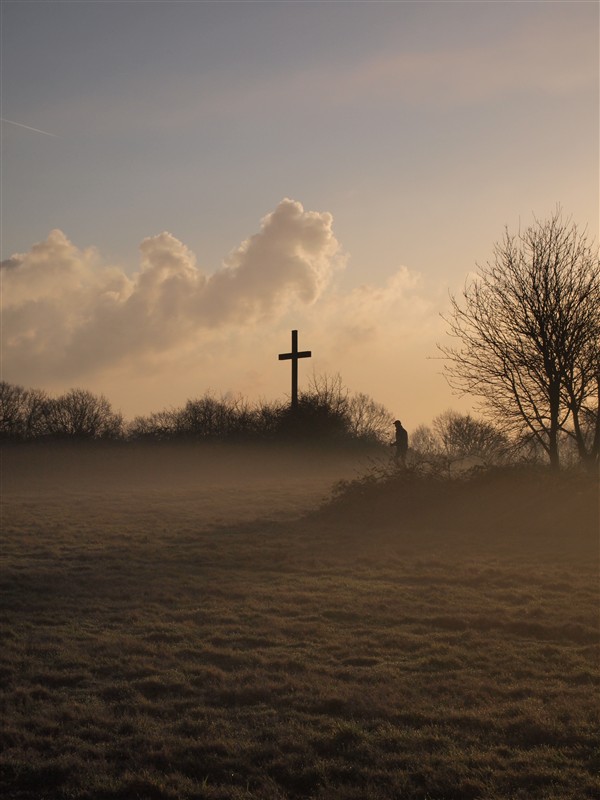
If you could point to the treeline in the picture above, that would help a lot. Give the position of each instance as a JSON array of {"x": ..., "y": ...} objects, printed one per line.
[
  {"x": 327, "y": 412},
  {"x": 27, "y": 414}
]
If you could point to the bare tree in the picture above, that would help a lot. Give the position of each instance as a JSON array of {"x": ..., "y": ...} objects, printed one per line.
[
  {"x": 12, "y": 401},
  {"x": 456, "y": 436},
  {"x": 425, "y": 442},
  {"x": 22, "y": 412},
  {"x": 79, "y": 413},
  {"x": 328, "y": 391},
  {"x": 368, "y": 419},
  {"x": 461, "y": 436},
  {"x": 210, "y": 418},
  {"x": 266, "y": 417},
  {"x": 354, "y": 416},
  {"x": 322, "y": 412},
  {"x": 157, "y": 425},
  {"x": 529, "y": 332}
]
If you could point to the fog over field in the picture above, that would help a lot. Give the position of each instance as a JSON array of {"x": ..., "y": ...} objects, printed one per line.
[
  {"x": 209, "y": 622},
  {"x": 212, "y": 482}
]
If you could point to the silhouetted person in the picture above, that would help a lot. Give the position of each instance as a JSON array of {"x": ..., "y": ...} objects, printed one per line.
[{"x": 400, "y": 443}]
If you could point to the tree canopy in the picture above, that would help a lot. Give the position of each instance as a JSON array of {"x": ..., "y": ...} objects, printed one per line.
[{"x": 528, "y": 331}]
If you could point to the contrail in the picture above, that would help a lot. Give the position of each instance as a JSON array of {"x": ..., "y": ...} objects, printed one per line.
[{"x": 29, "y": 128}]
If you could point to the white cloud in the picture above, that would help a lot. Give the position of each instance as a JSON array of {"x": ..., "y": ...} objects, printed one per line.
[
  {"x": 64, "y": 313},
  {"x": 172, "y": 331}
]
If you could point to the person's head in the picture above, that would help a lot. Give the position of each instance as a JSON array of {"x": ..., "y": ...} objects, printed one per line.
[{"x": 398, "y": 424}]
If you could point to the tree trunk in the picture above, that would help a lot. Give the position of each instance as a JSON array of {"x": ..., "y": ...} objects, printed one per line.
[
  {"x": 594, "y": 454},
  {"x": 554, "y": 425},
  {"x": 553, "y": 452}
]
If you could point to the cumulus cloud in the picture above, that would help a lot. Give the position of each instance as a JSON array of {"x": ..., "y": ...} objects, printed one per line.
[
  {"x": 152, "y": 338},
  {"x": 67, "y": 314}
]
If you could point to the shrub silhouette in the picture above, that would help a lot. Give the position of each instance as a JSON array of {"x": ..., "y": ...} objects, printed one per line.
[
  {"x": 313, "y": 420},
  {"x": 326, "y": 413}
]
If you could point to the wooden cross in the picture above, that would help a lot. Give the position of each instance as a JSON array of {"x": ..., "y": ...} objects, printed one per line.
[{"x": 294, "y": 356}]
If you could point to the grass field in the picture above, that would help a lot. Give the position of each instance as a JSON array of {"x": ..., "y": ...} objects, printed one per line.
[{"x": 176, "y": 624}]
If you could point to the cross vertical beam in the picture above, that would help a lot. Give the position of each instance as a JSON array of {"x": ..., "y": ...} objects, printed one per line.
[{"x": 294, "y": 356}]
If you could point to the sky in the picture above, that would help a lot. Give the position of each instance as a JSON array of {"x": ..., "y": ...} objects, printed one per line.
[{"x": 184, "y": 183}]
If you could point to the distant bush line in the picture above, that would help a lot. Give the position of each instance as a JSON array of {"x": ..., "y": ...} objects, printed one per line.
[{"x": 327, "y": 412}]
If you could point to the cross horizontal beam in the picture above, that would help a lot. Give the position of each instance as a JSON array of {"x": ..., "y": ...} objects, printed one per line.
[{"x": 301, "y": 354}]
